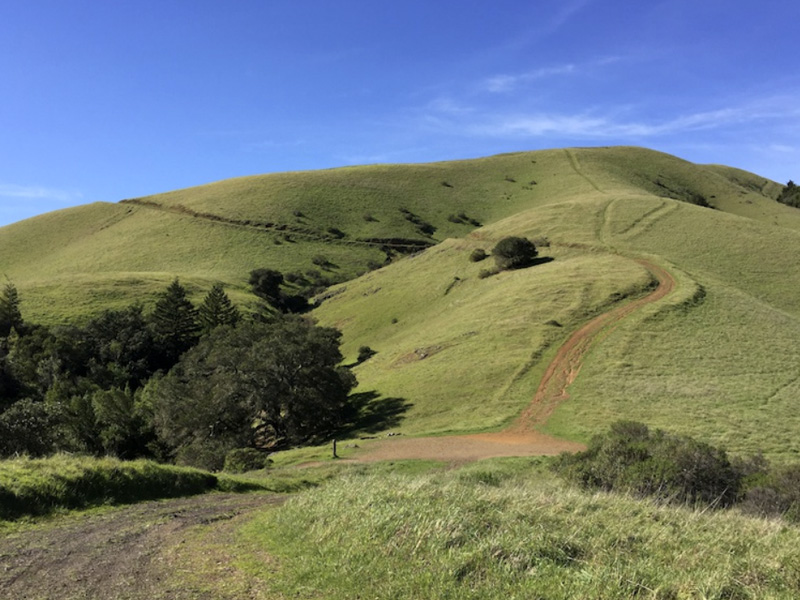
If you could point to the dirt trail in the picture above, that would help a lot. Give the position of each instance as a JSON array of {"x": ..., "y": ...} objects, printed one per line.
[
  {"x": 520, "y": 439},
  {"x": 128, "y": 553}
]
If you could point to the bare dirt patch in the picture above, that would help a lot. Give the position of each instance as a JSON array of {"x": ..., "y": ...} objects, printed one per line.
[
  {"x": 458, "y": 449},
  {"x": 119, "y": 554}
]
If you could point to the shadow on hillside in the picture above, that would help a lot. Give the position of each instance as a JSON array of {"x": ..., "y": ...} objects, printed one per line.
[
  {"x": 540, "y": 261},
  {"x": 372, "y": 414}
]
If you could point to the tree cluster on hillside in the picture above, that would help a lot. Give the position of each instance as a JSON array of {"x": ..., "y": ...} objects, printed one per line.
[
  {"x": 182, "y": 382},
  {"x": 790, "y": 195}
]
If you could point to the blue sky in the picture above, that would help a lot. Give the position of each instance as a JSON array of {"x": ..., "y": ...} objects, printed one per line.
[{"x": 105, "y": 100}]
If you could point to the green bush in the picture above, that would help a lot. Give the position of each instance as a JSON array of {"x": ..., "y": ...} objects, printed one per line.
[
  {"x": 790, "y": 195},
  {"x": 28, "y": 427},
  {"x": 241, "y": 460},
  {"x": 478, "y": 255},
  {"x": 777, "y": 492},
  {"x": 631, "y": 458},
  {"x": 514, "y": 253},
  {"x": 365, "y": 353}
]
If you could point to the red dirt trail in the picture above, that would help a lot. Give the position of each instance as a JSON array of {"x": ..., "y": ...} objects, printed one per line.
[{"x": 521, "y": 438}]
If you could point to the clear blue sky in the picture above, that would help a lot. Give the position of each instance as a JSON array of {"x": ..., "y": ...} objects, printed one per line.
[{"x": 105, "y": 100}]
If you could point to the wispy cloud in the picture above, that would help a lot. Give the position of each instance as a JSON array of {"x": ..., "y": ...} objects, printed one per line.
[
  {"x": 508, "y": 83},
  {"x": 271, "y": 144},
  {"x": 565, "y": 14},
  {"x": 583, "y": 125},
  {"x": 782, "y": 148},
  {"x": 36, "y": 192},
  {"x": 610, "y": 123}
]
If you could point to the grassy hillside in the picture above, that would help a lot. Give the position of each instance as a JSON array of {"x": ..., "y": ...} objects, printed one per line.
[
  {"x": 506, "y": 530},
  {"x": 717, "y": 358},
  {"x": 70, "y": 263}
]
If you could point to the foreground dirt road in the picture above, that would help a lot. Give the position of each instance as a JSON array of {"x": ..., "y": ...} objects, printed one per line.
[
  {"x": 126, "y": 553},
  {"x": 521, "y": 439}
]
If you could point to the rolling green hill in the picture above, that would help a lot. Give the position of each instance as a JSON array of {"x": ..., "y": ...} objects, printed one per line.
[{"x": 717, "y": 358}]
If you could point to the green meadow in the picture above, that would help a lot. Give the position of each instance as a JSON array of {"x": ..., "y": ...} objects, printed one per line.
[
  {"x": 460, "y": 349},
  {"x": 507, "y": 529},
  {"x": 462, "y": 352}
]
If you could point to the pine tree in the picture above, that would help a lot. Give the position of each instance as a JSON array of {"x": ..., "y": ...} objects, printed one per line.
[
  {"x": 10, "y": 315},
  {"x": 175, "y": 322},
  {"x": 217, "y": 309}
]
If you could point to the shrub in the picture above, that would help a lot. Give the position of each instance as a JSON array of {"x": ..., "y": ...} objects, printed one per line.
[
  {"x": 514, "y": 253},
  {"x": 470, "y": 220},
  {"x": 478, "y": 255},
  {"x": 790, "y": 195},
  {"x": 484, "y": 273},
  {"x": 426, "y": 228},
  {"x": 365, "y": 353},
  {"x": 630, "y": 458},
  {"x": 295, "y": 277},
  {"x": 28, "y": 427},
  {"x": 241, "y": 460},
  {"x": 777, "y": 493}
]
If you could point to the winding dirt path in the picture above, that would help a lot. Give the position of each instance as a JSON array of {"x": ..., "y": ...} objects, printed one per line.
[{"x": 521, "y": 438}]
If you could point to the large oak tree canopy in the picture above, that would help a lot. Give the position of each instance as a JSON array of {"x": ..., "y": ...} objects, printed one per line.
[{"x": 243, "y": 386}]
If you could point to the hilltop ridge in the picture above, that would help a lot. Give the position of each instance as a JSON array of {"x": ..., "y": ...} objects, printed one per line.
[{"x": 105, "y": 254}]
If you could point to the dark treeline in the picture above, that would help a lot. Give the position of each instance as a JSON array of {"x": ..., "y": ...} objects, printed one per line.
[{"x": 183, "y": 383}]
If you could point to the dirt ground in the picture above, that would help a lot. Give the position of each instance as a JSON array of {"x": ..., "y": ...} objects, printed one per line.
[{"x": 126, "y": 553}]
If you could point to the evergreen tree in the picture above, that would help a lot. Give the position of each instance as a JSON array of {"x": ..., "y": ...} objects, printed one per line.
[
  {"x": 175, "y": 323},
  {"x": 10, "y": 315},
  {"x": 217, "y": 309}
]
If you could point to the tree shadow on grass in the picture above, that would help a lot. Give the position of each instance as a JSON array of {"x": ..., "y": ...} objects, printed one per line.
[
  {"x": 539, "y": 260},
  {"x": 370, "y": 413}
]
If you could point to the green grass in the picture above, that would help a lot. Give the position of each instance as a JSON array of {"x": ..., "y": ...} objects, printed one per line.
[
  {"x": 71, "y": 263},
  {"x": 461, "y": 341},
  {"x": 721, "y": 365},
  {"x": 505, "y": 529},
  {"x": 31, "y": 487},
  {"x": 717, "y": 359}
]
